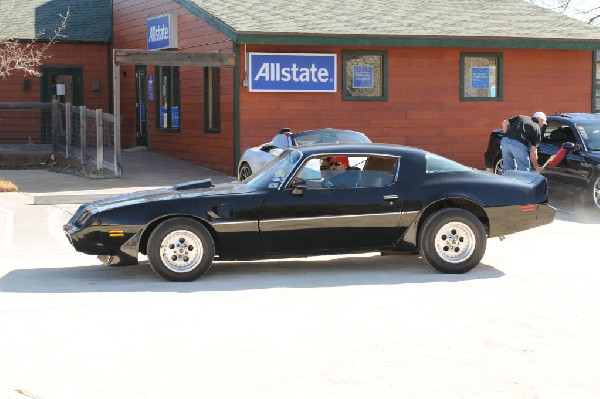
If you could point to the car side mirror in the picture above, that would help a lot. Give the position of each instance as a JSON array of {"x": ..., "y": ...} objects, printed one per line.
[
  {"x": 568, "y": 145},
  {"x": 298, "y": 188}
]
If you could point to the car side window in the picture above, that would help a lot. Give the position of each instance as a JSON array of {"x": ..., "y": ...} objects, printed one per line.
[
  {"x": 351, "y": 171},
  {"x": 557, "y": 133}
]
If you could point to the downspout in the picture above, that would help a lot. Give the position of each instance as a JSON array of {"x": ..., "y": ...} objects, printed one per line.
[
  {"x": 236, "y": 108},
  {"x": 594, "y": 79}
]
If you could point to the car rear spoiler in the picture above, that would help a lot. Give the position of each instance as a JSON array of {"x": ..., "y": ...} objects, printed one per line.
[{"x": 524, "y": 176}]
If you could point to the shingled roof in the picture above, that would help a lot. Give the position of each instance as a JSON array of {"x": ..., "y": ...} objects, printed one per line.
[
  {"x": 89, "y": 20},
  {"x": 485, "y": 23}
]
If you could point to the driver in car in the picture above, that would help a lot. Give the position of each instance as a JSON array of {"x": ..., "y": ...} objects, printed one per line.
[{"x": 341, "y": 173}]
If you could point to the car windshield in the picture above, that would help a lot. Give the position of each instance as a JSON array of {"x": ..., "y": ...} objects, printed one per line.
[
  {"x": 590, "y": 133},
  {"x": 272, "y": 174},
  {"x": 329, "y": 137}
]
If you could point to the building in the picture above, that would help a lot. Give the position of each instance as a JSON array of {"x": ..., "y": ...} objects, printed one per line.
[
  {"x": 76, "y": 68},
  {"x": 437, "y": 75}
]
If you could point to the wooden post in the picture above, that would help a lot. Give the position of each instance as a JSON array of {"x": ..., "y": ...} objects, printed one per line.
[
  {"x": 54, "y": 128},
  {"x": 83, "y": 134},
  {"x": 69, "y": 128},
  {"x": 99, "y": 140}
]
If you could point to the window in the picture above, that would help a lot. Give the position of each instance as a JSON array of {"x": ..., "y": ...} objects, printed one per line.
[
  {"x": 481, "y": 77},
  {"x": 346, "y": 171},
  {"x": 364, "y": 75},
  {"x": 167, "y": 85},
  {"x": 212, "y": 100}
]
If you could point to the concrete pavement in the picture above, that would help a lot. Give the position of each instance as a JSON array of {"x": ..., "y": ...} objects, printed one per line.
[
  {"x": 523, "y": 324},
  {"x": 142, "y": 170}
]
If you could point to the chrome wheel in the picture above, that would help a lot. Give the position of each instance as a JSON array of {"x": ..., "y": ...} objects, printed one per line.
[
  {"x": 499, "y": 167},
  {"x": 245, "y": 171},
  {"x": 452, "y": 240},
  {"x": 181, "y": 251},
  {"x": 455, "y": 242},
  {"x": 596, "y": 192}
]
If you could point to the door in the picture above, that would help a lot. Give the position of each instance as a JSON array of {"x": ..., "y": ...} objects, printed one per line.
[
  {"x": 313, "y": 217},
  {"x": 64, "y": 85},
  {"x": 141, "y": 108}
]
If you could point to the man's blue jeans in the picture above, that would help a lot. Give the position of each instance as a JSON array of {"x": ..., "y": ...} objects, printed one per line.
[{"x": 515, "y": 155}]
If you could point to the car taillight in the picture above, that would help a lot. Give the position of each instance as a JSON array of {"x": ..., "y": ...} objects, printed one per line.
[{"x": 527, "y": 208}]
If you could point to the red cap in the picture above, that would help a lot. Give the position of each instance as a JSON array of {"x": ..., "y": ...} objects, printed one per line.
[{"x": 343, "y": 160}]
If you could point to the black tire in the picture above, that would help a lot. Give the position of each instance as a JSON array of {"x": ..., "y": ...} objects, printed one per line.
[
  {"x": 180, "y": 249},
  {"x": 245, "y": 171},
  {"x": 595, "y": 191},
  {"x": 452, "y": 241},
  {"x": 499, "y": 166}
]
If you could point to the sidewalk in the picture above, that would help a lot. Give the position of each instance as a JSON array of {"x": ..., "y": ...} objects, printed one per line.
[{"x": 142, "y": 170}]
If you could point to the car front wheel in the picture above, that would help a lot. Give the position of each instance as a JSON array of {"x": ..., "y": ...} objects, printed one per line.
[
  {"x": 180, "y": 249},
  {"x": 595, "y": 191},
  {"x": 499, "y": 166},
  {"x": 452, "y": 241},
  {"x": 245, "y": 171}
]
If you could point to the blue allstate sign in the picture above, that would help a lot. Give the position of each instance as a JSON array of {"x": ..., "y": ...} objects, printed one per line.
[
  {"x": 292, "y": 72},
  {"x": 161, "y": 32}
]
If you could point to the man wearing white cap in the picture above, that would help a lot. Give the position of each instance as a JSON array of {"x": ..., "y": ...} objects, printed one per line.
[{"x": 519, "y": 145}]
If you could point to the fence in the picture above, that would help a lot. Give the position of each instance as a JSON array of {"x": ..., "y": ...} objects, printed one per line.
[{"x": 82, "y": 135}]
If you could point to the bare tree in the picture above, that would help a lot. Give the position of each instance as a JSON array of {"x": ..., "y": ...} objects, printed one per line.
[
  {"x": 588, "y": 11},
  {"x": 25, "y": 55}
]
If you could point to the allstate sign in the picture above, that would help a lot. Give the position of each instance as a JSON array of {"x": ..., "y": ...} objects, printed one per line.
[
  {"x": 292, "y": 72},
  {"x": 161, "y": 32}
]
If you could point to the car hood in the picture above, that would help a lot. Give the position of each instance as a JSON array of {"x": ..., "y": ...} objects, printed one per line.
[{"x": 198, "y": 188}]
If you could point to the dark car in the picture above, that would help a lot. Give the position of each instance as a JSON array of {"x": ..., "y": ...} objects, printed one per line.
[
  {"x": 395, "y": 199},
  {"x": 579, "y": 171}
]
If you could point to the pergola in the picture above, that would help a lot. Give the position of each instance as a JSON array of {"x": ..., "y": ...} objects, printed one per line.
[{"x": 157, "y": 58}]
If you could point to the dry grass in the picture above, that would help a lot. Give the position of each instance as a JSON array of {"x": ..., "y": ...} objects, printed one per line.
[{"x": 7, "y": 186}]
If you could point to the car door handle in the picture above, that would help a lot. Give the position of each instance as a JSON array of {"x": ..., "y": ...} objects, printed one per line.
[{"x": 391, "y": 197}]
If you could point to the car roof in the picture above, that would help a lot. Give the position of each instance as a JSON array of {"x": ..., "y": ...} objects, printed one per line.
[
  {"x": 575, "y": 117},
  {"x": 369, "y": 148},
  {"x": 327, "y": 130}
]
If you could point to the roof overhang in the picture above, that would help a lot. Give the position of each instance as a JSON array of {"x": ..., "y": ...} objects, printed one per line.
[{"x": 240, "y": 37}]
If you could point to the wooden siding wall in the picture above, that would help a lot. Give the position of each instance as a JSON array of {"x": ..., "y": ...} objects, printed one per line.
[
  {"x": 191, "y": 143},
  {"x": 92, "y": 58},
  {"x": 423, "y": 108}
]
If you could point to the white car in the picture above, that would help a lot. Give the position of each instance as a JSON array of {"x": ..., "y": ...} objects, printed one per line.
[{"x": 254, "y": 158}]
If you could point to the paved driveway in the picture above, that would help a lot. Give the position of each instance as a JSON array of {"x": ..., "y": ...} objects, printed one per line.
[{"x": 523, "y": 324}]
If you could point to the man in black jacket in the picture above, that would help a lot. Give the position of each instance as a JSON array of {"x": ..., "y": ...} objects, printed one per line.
[{"x": 519, "y": 145}]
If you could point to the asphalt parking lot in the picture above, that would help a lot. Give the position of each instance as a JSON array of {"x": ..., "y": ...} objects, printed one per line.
[{"x": 523, "y": 324}]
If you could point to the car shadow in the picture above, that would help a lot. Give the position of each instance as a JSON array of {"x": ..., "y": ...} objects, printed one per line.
[{"x": 314, "y": 272}]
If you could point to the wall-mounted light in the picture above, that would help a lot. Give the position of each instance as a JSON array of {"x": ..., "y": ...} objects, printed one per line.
[
  {"x": 26, "y": 84},
  {"x": 96, "y": 85}
]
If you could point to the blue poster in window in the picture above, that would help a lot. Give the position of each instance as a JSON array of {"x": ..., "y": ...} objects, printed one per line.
[
  {"x": 150, "y": 88},
  {"x": 362, "y": 77},
  {"x": 480, "y": 78},
  {"x": 175, "y": 117}
]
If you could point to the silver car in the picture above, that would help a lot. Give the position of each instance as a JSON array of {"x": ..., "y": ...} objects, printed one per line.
[{"x": 254, "y": 158}]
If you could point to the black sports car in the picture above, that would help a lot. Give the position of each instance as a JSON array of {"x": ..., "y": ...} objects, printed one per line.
[
  {"x": 393, "y": 198},
  {"x": 579, "y": 171}
]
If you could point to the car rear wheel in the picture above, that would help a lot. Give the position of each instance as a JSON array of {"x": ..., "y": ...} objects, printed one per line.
[
  {"x": 595, "y": 191},
  {"x": 180, "y": 249},
  {"x": 452, "y": 241},
  {"x": 499, "y": 166},
  {"x": 245, "y": 171}
]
